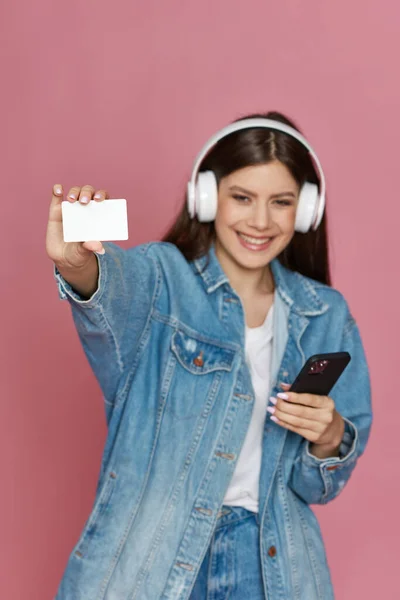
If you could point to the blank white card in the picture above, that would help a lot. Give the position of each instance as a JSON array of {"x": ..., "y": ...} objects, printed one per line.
[{"x": 96, "y": 221}]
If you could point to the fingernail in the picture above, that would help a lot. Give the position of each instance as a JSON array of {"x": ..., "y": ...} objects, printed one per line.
[
  {"x": 273, "y": 400},
  {"x": 273, "y": 418},
  {"x": 102, "y": 251},
  {"x": 72, "y": 196},
  {"x": 97, "y": 196},
  {"x": 84, "y": 200},
  {"x": 58, "y": 190},
  {"x": 271, "y": 409},
  {"x": 283, "y": 396}
]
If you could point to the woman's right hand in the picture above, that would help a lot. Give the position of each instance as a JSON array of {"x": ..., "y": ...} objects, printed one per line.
[{"x": 70, "y": 255}]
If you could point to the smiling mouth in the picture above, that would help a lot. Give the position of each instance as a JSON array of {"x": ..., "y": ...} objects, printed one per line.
[{"x": 252, "y": 240}]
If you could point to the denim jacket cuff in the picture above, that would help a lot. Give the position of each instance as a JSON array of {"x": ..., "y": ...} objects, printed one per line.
[
  {"x": 66, "y": 292},
  {"x": 347, "y": 450}
]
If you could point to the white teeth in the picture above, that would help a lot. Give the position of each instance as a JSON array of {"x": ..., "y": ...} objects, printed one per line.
[{"x": 252, "y": 240}]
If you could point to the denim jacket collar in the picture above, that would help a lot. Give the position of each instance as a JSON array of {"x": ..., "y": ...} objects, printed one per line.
[{"x": 298, "y": 292}]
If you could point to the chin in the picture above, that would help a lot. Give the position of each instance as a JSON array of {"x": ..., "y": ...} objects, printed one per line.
[
  {"x": 251, "y": 257},
  {"x": 254, "y": 263},
  {"x": 249, "y": 260}
]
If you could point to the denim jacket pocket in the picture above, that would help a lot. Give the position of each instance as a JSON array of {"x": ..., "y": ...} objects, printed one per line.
[
  {"x": 195, "y": 371},
  {"x": 200, "y": 357}
]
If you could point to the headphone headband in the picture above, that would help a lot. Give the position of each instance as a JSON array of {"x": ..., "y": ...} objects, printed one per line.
[{"x": 266, "y": 124}]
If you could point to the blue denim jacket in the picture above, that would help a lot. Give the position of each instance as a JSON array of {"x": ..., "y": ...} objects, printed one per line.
[{"x": 176, "y": 425}]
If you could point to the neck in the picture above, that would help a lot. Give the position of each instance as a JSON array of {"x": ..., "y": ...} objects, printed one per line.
[{"x": 246, "y": 282}]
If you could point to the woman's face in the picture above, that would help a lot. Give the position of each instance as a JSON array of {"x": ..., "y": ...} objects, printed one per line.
[{"x": 256, "y": 214}]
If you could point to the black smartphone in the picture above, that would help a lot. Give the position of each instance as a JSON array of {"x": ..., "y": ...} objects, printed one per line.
[{"x": 320, "y": 373}]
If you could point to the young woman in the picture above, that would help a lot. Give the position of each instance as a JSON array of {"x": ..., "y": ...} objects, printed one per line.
[{"x": 211, "y": 463}]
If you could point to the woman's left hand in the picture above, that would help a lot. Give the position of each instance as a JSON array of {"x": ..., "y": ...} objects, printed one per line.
[{"x": 313, "y": 417}]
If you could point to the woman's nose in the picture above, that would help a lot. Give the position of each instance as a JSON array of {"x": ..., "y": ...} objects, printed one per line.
[{"x": 260, "y": 217}]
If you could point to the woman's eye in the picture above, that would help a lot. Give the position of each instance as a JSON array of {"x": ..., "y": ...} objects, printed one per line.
[
  {"x": 284, "y": 202},
  {"x": 240, "y": 198}
]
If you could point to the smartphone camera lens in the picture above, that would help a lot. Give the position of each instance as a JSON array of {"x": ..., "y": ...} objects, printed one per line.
[{"x": 318, "y": 367}]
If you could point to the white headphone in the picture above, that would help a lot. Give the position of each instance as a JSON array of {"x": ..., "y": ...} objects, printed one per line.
[{"x": 202, "y": 191}]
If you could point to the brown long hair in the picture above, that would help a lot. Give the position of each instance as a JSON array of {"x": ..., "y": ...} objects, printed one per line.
[{"x": 307, "y": 253}]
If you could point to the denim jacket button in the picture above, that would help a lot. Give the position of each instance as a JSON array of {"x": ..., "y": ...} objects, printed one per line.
[
  {"x": 272, "y": 551},
  {"x": 198, "y": 361}
]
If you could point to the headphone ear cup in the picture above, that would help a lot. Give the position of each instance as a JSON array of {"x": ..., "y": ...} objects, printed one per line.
[
  {"x": 191, "y": 199},
  {"x": 206, "y": 198},
  {"x": 307, "y": 207}
]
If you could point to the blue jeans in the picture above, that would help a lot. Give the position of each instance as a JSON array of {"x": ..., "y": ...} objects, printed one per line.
[{"x": 231, "y": 569}]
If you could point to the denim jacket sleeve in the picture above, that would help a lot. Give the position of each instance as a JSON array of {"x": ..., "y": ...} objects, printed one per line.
[
  {"x": 115, "y": 313},
  {"x": 315, "y": 480}
]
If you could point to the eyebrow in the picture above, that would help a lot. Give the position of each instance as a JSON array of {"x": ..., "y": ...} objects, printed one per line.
[{"x": 249, "y": 193}]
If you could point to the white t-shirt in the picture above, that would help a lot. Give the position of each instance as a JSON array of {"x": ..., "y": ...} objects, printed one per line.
[{"x": 243, "y": 487}]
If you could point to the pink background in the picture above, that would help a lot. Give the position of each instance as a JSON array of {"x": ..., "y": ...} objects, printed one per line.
[{"x": 122, "y": 95}]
